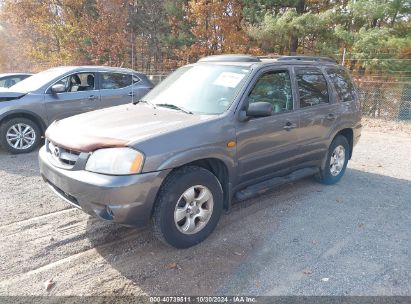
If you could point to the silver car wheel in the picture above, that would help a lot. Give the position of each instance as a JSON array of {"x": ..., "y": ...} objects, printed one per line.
[
  {"x": 194, "y": 209},
  {"x": 21, "y": 136},
  {"x": 337, "y": 160}
]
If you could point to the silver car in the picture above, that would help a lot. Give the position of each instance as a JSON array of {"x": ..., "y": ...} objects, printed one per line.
[
  {"x": 8, "y": 80},
  {"x": 30, "y": 106}
]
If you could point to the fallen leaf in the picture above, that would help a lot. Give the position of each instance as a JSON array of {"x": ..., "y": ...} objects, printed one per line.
[
  {"x": 49, "y": 284},
  {"x": 314, "y": 242},
  {"x": 172, "y": 265},
  {"x": 307, "y": 271},
  {"x": 360, "y": 225},
  {"x": 325, "y": 279}
]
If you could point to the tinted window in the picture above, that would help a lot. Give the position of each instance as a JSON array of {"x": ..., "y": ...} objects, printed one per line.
[
  {"x": 9, "y": 81},
  {"x": 312, "y": 87},
  {"x": 116, "y": 80},
  {"x": 342, "y": 83},
  {"x": 78, "y": 82},
  {"x": 273, "y": 87}
]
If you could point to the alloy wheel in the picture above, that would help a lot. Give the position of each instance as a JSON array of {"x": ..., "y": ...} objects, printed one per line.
[{"x": 194, "y": 209}]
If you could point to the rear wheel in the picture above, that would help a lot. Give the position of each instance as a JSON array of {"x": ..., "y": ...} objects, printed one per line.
[
  {"x": 20, "y": 135},
  {"x": 188, "y": 207},
  {"x": 336, "y": 162}
]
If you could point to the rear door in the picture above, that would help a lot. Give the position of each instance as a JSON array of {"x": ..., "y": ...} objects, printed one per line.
[
  {"x": 267, "y": 145},
  {"x": 318, "y": 112},
  {"x": 80, "y": 96},
  {"x": 119, "y": 88},
  {"x": 348, "y": 107}
]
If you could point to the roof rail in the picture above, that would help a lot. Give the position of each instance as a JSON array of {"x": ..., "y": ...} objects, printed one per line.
[
  {"x": 230, "y": 58},
  {"x": 307, "y": 58}
]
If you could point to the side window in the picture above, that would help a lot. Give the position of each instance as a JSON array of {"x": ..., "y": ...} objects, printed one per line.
[
  {"x": 78, "y": 82},
  {"x": 273, "y": 87},
  {"x": 12, "y": 81},
  {"x": 312, "y": 87},
  {"x": 342, "y": 83},
  {"x": 116, "y": 80}
]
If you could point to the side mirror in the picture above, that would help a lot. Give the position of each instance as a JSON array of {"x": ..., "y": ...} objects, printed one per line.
[
  {"x": 259, "y": 109},
  {"x": 58, "y": 88}
]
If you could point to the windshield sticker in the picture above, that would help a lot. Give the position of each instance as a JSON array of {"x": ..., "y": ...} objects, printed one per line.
[{"x": 228, "y": 79}]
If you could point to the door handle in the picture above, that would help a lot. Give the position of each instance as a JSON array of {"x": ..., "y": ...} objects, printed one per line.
[
  {"x": 330, "y": 116},
  {"x": 92, "y": 97},
  {"x": 289, "y": 125}
]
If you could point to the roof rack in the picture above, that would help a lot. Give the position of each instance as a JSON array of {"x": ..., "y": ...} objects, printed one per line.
[
  {"x": 230, "y": 58},
  {"x": 307, "y": 58}
]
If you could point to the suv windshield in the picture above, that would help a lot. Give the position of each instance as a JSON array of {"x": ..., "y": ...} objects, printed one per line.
[
  {"x": 36, "y": 81},
  {"x": 202, "y": 89}
]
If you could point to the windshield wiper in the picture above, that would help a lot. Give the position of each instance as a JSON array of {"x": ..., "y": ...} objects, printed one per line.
[
  {"x": 174, "y": 107},
  {"x": 145, "y": 101}
]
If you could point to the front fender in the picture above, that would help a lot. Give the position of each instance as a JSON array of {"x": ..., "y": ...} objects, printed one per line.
[{"x": 192, "y": 155}]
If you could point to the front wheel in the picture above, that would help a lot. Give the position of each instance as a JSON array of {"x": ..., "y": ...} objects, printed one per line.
[
  {"x": 20, "y": 135},
  {"x": 188, "y": 207},
  {"x": 336, "y": 162}
]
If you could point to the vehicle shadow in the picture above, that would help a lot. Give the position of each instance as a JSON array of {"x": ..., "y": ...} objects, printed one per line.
[{"x": 264, "y": 232}]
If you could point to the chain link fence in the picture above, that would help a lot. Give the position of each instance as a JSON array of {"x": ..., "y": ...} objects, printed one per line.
[{"x": 385, "y": 99}]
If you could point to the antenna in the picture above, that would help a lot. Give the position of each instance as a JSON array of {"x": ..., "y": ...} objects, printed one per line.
[{"x": 132, "y": 67}]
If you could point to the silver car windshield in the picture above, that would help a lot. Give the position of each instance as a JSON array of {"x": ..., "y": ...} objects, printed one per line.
[
  {"x": 201, "y": 89},
  {"x": 37, "y": 81}
]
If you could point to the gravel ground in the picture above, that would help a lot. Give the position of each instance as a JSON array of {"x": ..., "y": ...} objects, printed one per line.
[{"x": 300, "y": 239}]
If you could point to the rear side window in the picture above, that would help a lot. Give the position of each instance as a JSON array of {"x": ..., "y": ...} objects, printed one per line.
[
  {"x": 312, "y": 87},
  {"x": 342, "y": 83},
  {"x": 116, "y": 80}
]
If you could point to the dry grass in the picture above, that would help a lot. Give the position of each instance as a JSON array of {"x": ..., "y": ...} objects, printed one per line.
[{"x": 386, "y": 126}]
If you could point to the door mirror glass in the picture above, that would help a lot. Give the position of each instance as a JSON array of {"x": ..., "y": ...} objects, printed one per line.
[
  {"x": 58, "y": 88},
  {"x": 259, "y": 109}
]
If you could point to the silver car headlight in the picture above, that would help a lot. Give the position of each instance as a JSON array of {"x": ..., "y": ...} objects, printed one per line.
[{"x": 115, "y": 161}]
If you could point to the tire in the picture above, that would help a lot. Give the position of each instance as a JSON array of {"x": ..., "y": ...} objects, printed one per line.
[
  {"x": 176, "y": 188},
  {"x": 31, "y": 140},
  {"x": 329, "y": 174}
]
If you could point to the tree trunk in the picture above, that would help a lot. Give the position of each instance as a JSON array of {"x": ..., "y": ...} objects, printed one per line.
[{"x": 299, "y": 7}]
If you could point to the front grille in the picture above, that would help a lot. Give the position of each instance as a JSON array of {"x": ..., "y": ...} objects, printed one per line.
[{"x": 61, "y": 156}]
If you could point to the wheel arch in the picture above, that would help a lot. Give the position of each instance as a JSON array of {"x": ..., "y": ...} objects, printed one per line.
[
  {"x": 24, "y": 114},
  {"x": 348, "y": 133},
  {"x": 217, "y": 167}
]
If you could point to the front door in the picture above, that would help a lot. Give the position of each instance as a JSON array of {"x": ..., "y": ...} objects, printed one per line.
[
  {"x": 266, "y": 145},
  {"x": 80, "y": 96}
]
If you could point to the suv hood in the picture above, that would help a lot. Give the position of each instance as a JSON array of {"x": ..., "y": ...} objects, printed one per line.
[
  {"x": 117, "y": 126},
  {"x": 6, "y": 95}
]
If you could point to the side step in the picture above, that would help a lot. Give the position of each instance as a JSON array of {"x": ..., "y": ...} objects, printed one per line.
[{"x": 267, "y": 185}]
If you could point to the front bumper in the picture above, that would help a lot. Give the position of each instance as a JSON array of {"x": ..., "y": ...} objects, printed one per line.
[{"x": 127, "y": 200}]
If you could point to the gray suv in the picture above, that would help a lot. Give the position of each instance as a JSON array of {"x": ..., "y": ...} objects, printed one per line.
[
  {"x": 28, "y": 107},
  {"x": 214, "y": 132}
]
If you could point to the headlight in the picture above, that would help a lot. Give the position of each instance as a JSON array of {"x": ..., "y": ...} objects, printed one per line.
[{"x": 115, "y": 161}]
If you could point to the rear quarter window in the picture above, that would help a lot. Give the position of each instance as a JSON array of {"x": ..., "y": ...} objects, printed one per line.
[{"x": 342, "y": 83}]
